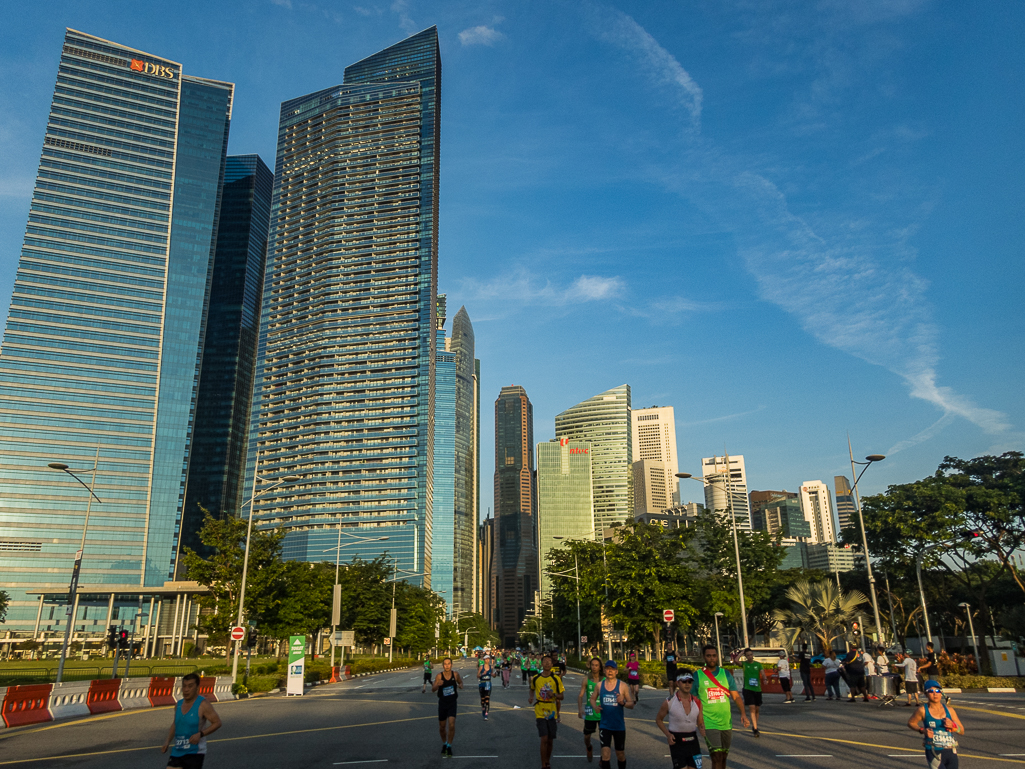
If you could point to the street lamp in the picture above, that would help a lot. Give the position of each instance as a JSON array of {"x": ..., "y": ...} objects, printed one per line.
[
  {"x": 576, "y": 576},
  {"x": 245, "y": 559},
  {"x": 864, "y": 538},
  {"x": 975, "y": 641},
  {"x": 718, "y": 646},
  {"x": 736, "y": 542},
  {"x": 394, "y": 617},
  {"x": 77, "y": 568},
  {"x": 336, "y": 594}
]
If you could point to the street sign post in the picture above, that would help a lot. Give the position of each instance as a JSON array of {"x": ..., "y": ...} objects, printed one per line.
[
  {"x": 238, "y": 633},
  {"x": 668, "y": 615},
  {"x": 296, "y": 665},
  {"x": 583, "y": 639}
]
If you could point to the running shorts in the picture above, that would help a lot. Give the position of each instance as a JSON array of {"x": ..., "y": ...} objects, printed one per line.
[
  {"x": 547, "y": 727},
  {"x": 784, "y": 683},
  {"x": 752, "y": 698},
  {"x": 590, "y": 727},
  {"x": 608, "y": 736},
  {"x": 945, "y": 759},
  {"x": 427, "y": 677},
  {"x": 446, "y": 709},
  {"x": 911, "y": 687},
  {"x": 671, "y": 673},
  {"x": 195, "y": 761},
  {"x": 719, "y": 739},
  {"x": 684, "y": 748}
]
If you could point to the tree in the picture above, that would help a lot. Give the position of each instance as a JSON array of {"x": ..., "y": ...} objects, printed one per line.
[
  {"x": 419, "y": 612},
  {"x": 366, "y": 599},
  {"x": 221, "y": 573},
  {"x": 819, "y": 609},
  {"x": 4, "y": 601},
  {"x": 302, "y": 604}
]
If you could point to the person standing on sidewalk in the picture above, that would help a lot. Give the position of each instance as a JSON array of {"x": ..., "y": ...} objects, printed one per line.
[
  {"x": 804, "y": 666},
  {"x": 754, "y": 677},
  {"x": 194, "y": 719},
  {"x": 854, "y": 664},
  {"x": 832, "y": 667},
  {"x": 783, "y": 671},
  {"x": 590, "y": 713},
  {"x": 685, "y": 721},
  {"x": 716, "y": 686},
  {"x": 910, "y": 668}
]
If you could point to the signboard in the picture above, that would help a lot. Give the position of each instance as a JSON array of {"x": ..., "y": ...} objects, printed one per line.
[
  {"x": 343, "y": 638},
  {"x": 387, "y": 641},
  {"x": 617, "y": 636},
  {"x": 296, "y": 664},
  {"x": 668, "y": 615},
  {"x": 238, "y": 633},
  {"x": 583, "y": 639}
]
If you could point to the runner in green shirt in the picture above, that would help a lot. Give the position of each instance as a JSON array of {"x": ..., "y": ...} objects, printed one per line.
[
  {"x": 715, "y": 687},
  {"x": 585, "y": 710},
  {"x": 427, "y": 675},
  {"x": 754, "y": 675},
  {"x": 524, "y": 666}
]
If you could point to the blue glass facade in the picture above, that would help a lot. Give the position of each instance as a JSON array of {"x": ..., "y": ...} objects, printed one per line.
[
  {"x": 444, "y": 508},
  {"x": 345, "y": 378},
  {"x": 102, "y": 345}
]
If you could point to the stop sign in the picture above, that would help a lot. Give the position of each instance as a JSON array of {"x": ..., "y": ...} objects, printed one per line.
[
  {"x": 238, "y": 633},
  {"x": 668, "y": 615}
]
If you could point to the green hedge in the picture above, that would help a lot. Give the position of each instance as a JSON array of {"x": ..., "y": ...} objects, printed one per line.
[{"x": 956, "y": 681}]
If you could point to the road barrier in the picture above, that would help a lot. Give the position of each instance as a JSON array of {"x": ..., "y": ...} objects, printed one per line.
[
  {"x": 134, "y": 693},
  {"x": 69, "y": 700},
  {"x": 27, "y": 704},
  {"x": 162, "y": 691},
  {"x": 103, "y": 695}
]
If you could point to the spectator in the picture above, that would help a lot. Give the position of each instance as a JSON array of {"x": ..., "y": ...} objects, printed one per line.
[
  {"x": 832, "y": 667},
  {"x": 910, "y": 668},
  {"x": 783, "y": 670},
  {"x": 804, "y": 665}
]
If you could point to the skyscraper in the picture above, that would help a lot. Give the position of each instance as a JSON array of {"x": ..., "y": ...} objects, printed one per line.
[
  {"x": 485, "y": 560},
  {"x": 221, "y": 435},
  {"x": 565, "y": 506},
  {"x": 514, "y": 573},
  {"x": 467, "y": 459},
  {"x": 651, "y": 492},
  {"x": 726, "y": 487},
  {"x": 846, "y": 513},
  {"x": 346, "y": 365},
  {"x": 818, "y": 511},
  {"x": 102, "y": 351},
  {"x": 444, "y": 467},
  {"x": 603, "y": 422},
  {"x": 653, "y": 435}
]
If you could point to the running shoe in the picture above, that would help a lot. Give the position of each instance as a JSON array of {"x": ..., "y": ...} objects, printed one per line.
[
  {"x": 448, "y": 751},
  {"x": 444, "y": 750},
  {"x": 590, "y": 754},
  {"x": 756, "y": 734}
]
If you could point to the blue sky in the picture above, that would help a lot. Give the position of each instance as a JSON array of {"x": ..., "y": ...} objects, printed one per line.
[{"x": 787, "y": 220}]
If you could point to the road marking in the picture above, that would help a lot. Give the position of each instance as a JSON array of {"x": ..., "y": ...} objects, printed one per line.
[
  {"x": 992, "y": 712},
  {"x": 473, "y": 756},
  {"x": 804, "y": 755},
  {"x": 884, "y": 747},
  {"x": 903, "y": 755},
  {"x": 368, "y": 761}
]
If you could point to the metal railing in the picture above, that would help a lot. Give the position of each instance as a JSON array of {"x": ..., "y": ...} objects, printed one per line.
[{"x": 24, "y": 676}]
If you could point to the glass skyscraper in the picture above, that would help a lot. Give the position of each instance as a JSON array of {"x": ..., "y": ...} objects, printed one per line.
[
  {"x": 514, "y": 572},
  {"x": 444, "y": 486},
  {"x": 604, "y": 422},
  {"x": 102, "y": 351},
  {"x": 565, "y": 506},
  {"x": 346, "y": 356},
  {"x": 220, "y": 438},
  {"x": 467, "y": 459}
]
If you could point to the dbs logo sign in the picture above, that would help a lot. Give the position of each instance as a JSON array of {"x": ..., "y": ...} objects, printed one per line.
[
  {"x": 146, "y": 68},
  {"x": 565, "y": 441}
]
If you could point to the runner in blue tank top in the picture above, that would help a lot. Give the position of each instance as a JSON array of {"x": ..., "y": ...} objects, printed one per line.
[
  {"x": 612, "y": 696},
  {"x": 938, "y": 723},
  {"x": 194, "y": 719}
]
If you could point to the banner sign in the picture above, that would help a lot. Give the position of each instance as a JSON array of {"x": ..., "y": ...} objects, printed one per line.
[{"x": 296, "y": 664}]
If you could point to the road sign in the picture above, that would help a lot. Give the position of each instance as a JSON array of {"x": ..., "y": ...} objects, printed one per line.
[
  {"x": 583, "y": 639},
  {"x": 238, "y": 633},
  {"x": 668, "y": 615},
  {"x": 343, "y": 638},
  {"x": 387, "y": 641}
]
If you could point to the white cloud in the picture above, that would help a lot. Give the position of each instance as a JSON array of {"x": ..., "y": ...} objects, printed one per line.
[
  {"x": 480, "y": 35},
  {"x": 16, "y": 187},
  {"x": 406, "y": 23},
  {"x": 283, "y": 3},
  {"x": 522, "y": 287}
]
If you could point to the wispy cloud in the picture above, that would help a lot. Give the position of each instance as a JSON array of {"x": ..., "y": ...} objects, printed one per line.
[
  {"x": 523, "y": 288},
  {"x": 724, "y": 418},
  {"x": 283, "y": 3},
  {"x": 16, "y": 187},
  {"x": 480, "y": 35},
  {"x": 406, "y": 23}
]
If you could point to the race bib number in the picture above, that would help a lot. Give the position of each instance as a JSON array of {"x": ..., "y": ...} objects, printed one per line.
[
  {"x": 752, "y": 682},
  {"x": 182, "y": 743},
  {"x": 485, "y": 686},
  {"x": 448, "y": 691},
  {"x": 943, "y": 740},
  {"x": 715, "y": 696}
]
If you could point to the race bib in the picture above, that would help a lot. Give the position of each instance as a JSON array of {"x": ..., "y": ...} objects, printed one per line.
[
  {"x": 943, "y": 740},
  {"x": 182, "y": 743},
  {"x": 715, "y": 696},
  {"x": 752, "y": 682},
  {"x": 485, "y": 686},
  {"x": 448, "y": 691}
]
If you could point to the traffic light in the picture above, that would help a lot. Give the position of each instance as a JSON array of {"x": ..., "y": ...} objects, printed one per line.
[
  {"x": 122, "y": 639},
  {"x": 971, "y": 534},
  {"x": 112, "y": 636},
  {"x": 856, "y": 629},
  {"x": 251, "y": 638}
]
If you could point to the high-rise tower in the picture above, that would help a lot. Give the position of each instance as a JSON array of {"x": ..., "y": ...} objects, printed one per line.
[
  {"x": 653, "y": 437},
  {"x": 565, "y": 506},
  {"x": 818, "y": 511},
  {"x": 845, "y": 510},
  {"x": 467, "y": 458},
  {"x": 103, "y": 346},
  {"x": 604, "y": 423},
  {"x": 726, "y": 487},
  {"x": 514, "y": 573},
  {"x": 345, "y": 377}
]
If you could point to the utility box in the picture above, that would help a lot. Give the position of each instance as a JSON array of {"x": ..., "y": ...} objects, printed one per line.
[{"x": 1006, "y": 663}]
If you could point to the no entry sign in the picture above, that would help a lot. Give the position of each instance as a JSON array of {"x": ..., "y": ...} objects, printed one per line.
[
  {"x": 238, "y": 633},
  {"x": 668, "y": 615}
]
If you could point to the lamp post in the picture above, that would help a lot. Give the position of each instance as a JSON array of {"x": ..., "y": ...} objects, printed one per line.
[
  {"x": 245, "y": 559},
  {"x": 718, "y": 646},
  {"x": 394, "y": 616},
  {"x": 576, "y": 577},
  {"x": 921, "y": 592},
  {"x": 736, "y": 543},
  {"x": 336, "y": 595},
  {"x": 975, "y": 642},
  {"x": 77, "y": 568},
  {"x": 864, "y": 538}
]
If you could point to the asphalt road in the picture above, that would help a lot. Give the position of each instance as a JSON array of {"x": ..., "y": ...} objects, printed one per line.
[{"x": 384, "y": 719}]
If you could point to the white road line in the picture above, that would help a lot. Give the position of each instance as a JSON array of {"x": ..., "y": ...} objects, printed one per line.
[
  {"x": 368, "y": 761},
  {"x": 804, "y": 755},
  {"x": 473, "y": 756}
]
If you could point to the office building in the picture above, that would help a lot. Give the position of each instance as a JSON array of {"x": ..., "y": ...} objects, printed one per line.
[
  {"x": 653, "y": 437},
  {"x": 101, "y": 355},
  {"x": 565, "y": 507},
  {"x": 485, "y": 558},
  {"x": 726, "y": 487},
  {"x": 833, "y": 558},
  {"x": 676, "y": 517},
  {"x": 221, "y": 435},
  {"x": 346, "y": 362},
  {"x": 818, "y": 511},
  {"x": 444, "y": 467},
  {"x": 514, "y": 571},
  {"x": 650, "y": 488},
  {"x": 603, "y": 422},
  {"x": 846, "y": 513},
  {"x": 795, "y": 553},
  {"x": 467, "y": 461}
]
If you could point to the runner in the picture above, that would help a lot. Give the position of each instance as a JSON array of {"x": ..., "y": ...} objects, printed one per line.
[
  {"x": 524, "y": 666},
  {"x": 612, "y": 696},
  {"x": 506, "y": 670},
  {"x": 670, "y": 668},
  {"x": 194, "y": 719},
  {"x": 484, "y": 673},
  {"x": 427, "y": 674},
  {"x": 938, "y": 723},
  {"x": 685, "y": 721},
  {"x": 585, "y": 710},
  {"x": 715, "y": 688},
  {"x": 547, "y": 690},
  {"x": 783, "y": 671},
  {"x": 754, "y": 677},
  {"x": 446, "y": 684},
  {"x": 910, "y": 667},
  {"x": 562, "y": 664},
  {"x": 633, "y": 676}
]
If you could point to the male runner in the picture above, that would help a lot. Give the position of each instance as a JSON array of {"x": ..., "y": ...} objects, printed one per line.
[
  {"x": 715, "y": 687},
  {"x": 684, "y": 712},
  {"x": 938, "y": 723},
  {"x": 427, "y": 674},
  {"x": 785, "y": 683},
  {"x": 754, "y": 677},
  {"x": 524, "y": 666},
  {"x": 446, "y": 684},
  {"x": 194, "y": 719},
  {"x": 547, "y": 689},
  {"x": 927, "y": 667},
  {"x": 612, "y": 696},
  {"x": 585, "y": 709},
  {"x": 670, "y": 668}
]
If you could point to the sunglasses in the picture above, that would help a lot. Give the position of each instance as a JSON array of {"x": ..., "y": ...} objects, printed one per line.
[{"x": 933, "y": 691}]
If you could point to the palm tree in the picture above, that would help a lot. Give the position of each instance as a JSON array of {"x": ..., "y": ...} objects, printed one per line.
[{"x": 819, "y": 609}]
